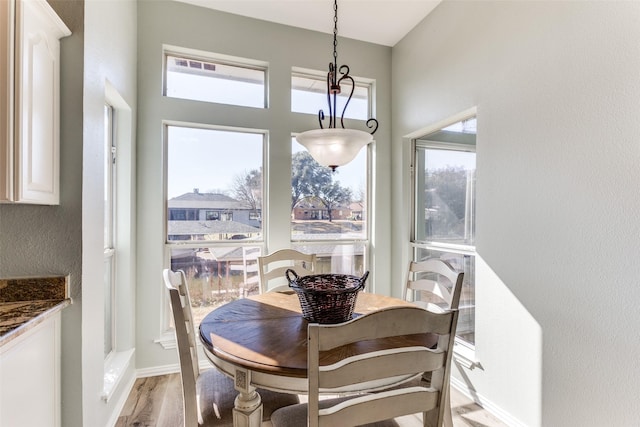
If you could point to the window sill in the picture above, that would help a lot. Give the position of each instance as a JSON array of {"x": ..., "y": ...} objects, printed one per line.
[
  {"x": 465, "y": 356},
  {"x": 114, "y": 367},
  {"x": 167, "y": 340}
]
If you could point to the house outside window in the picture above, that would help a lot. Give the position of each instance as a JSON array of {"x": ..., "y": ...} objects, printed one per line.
[{"x": 444, "y": 209}]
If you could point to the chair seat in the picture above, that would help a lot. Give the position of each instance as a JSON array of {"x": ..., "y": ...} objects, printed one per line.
[
  {"x": 296, "y": 415},
  {"x": 217, "y": 395}
]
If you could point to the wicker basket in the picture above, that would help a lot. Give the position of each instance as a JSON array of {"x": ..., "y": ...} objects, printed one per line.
[{"x": 326, "y": 298}]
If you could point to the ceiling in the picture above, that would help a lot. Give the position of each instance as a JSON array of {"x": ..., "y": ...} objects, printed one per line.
[{"x": 383, "y": 22}]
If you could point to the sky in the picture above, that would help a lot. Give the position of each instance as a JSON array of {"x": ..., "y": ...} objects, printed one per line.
[{"x": 210, "y": 159}]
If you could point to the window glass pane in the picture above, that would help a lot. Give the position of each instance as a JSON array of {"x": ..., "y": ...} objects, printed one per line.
[
  {"x": 446, "y": 196},
  {"x": 214, "y": 184},
  {"x": 214, "y": 81},
  {"x": 328, "y": 205},
  {"x": 109, "y": 316},
  {"x": 309, "y": 95},
  {"x": 466, "y": 264},
  {"x": 217, "y": 275},
  {"x": 109, "y": 178},
  {"x": 337, "y": 258}
]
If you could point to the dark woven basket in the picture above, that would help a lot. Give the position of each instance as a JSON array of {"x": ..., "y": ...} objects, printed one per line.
[{"x": 327, "y": 298}]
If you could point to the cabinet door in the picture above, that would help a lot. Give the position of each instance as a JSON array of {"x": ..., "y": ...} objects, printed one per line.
[
  {"x": 38, "y": 30},
  {"x": 6, "y": 100},
  {"x": 30, "y": 378}
]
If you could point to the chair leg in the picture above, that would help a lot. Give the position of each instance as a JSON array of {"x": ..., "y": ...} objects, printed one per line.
[{"x": 448, "y": 417}]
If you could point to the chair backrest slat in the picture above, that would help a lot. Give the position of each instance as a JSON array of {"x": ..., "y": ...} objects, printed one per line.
[
  {"x": 382, "y": 364},
  {"x": 370, "y": 327},
  {"x": 380, "y": 406}
]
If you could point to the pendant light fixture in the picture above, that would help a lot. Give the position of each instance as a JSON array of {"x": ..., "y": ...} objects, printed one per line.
[{"x": 336, "y": 146}]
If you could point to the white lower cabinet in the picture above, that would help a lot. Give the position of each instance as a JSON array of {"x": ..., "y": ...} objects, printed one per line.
[{"x": 30, "y": 377}]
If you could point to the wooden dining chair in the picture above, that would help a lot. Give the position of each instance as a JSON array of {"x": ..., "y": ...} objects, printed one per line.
[
  {"x": 272, "y": 268},
  {"x": 376, "y": 367},
  {"x": 208, "y": 395},
  {"x": 433, "y": 284}
]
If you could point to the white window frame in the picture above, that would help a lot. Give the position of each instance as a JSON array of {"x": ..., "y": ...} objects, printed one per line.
[
  {"x": 110, "y": 225},
  {"x": 167, "y": 336},
  {"x": 464, "y": 351},
  {"x": 121, "y": 357}
]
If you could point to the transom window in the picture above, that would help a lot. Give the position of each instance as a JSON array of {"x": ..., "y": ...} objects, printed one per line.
[
  {"x": 215, "y": 78},
  {"x": 309, "y": 95}
]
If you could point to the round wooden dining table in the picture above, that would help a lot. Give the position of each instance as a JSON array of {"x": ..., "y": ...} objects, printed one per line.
[{"x": 261, "y": 342}]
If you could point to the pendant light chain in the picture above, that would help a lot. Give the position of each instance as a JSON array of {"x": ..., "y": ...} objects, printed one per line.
[{"x": 335, "y": 34}]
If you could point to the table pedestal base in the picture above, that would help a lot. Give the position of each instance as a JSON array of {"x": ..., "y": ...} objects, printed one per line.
[{"x": 247, "y": 411}]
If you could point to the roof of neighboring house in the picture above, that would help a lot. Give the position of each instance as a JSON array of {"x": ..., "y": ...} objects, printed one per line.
[
  {"x": 207, "y": 200},
  {"x": 209, "y": 227}
]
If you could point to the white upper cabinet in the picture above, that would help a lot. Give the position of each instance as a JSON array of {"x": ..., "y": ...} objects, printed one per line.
[
  {"x": 6, "y": 100},
  {"x": 30, "y": 151}
]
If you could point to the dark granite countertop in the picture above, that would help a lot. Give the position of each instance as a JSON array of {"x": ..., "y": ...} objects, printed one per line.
[{"x": 25, "y": 303}]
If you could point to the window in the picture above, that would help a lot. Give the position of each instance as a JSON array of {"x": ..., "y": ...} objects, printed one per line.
[
  {"x": 202, "y": 76},
  {"x": 119, "y": 217},
  {"x": 329, "y": 212},
  {"x": 309, "y": 95},
  {"x": 109, "y": 230},
  {"x": 444, "y": 208},
  {"x": 212, "y": 215},
  {"x": 215, "y": 186}
]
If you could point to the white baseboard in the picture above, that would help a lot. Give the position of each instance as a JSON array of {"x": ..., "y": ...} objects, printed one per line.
[
  {"x": 158, "y": 370},
  {"x": 168, "y": 369},
  {"x": 486, "y": 404}
]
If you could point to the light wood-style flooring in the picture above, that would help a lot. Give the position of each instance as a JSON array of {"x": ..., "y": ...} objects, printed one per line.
[{"x": 157, "y": 402}]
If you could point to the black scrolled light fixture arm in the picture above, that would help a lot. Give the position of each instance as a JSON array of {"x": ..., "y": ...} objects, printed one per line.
[{"x": 333, "y": 84}]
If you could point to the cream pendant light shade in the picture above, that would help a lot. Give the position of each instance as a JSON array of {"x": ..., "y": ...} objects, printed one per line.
[{"x": 335, "y": 146}]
